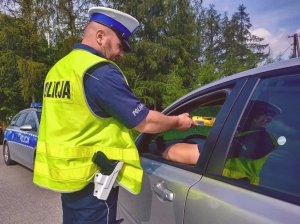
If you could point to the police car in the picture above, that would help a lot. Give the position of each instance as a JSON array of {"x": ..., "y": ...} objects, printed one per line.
[{"x": 20, "y": 137}]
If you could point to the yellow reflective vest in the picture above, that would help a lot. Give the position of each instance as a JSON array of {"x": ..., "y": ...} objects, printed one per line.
[
  {"x": 240, "y": 167},
  {"x": 70, "y": 133},
  {"x": 249, "y": 168}
]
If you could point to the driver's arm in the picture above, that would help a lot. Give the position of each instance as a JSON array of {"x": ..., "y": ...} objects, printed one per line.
[{"x": 182, "y": 153}]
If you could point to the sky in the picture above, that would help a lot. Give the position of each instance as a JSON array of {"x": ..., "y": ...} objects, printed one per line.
[{"x": 273, "y": 20}]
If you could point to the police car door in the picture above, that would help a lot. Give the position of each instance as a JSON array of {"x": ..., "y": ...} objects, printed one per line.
[
  {"x": 15, "y": 136},
  {"x": 29, "y": 139}
]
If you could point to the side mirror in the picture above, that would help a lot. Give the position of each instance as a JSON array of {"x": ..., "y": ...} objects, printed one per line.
[{"x": 26, "y": 127}]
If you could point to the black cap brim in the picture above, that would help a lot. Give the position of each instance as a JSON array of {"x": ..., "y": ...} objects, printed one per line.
[{"x": 126, "y": 46}]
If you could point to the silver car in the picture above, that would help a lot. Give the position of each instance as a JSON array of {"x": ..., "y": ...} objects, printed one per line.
[
  {"x": 20, "y": 137},
  {"x": 262, "y": 185}
]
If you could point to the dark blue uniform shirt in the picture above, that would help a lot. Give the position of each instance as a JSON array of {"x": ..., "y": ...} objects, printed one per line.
[{"x": 108, "y": 94}]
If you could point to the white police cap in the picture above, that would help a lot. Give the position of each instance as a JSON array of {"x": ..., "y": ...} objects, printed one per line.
[{"x": 122, "y": 23}]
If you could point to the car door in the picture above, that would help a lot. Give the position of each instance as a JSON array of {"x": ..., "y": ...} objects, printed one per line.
[
  {"x": 14, "y": 136},
  {"x": 254, "y": 190},
  {"x": 166, "y": 184},
  {"x": 10, "y": 134},
  {"x": 29, "y": 139}
]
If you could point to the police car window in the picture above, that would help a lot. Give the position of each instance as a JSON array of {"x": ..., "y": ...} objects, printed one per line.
[
  {"x": 30, "y": 120},
  {"x": 14, "y": 120},
  {"x": 265, "y": 150},
  {"x": 20, "y": 119}
]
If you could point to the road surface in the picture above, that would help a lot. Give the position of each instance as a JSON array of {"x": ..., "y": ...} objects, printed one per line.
[{"x": 23, "y": 202}]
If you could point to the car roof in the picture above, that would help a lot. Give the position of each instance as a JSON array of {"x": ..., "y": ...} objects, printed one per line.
[
  {"x": 269, "y": 67},
  {"x": 30, "y": 109}
]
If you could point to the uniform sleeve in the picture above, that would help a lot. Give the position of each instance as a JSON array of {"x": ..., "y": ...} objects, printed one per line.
[{"x": 108, "y": 95}]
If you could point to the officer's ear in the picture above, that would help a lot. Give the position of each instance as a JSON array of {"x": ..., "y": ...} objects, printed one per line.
[{"x": 100, "y": 34}]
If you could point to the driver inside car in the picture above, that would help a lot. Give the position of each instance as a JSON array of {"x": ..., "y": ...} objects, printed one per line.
[{"x": 250, "y": 148}]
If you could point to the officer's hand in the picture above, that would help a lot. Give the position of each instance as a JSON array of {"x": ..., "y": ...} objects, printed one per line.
[{"x": 184, "y": 122}]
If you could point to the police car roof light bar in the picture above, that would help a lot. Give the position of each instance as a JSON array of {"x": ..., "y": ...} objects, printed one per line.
[{"x": 36, "y": 105}]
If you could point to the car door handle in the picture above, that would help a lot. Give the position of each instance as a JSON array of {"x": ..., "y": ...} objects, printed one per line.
[{"x": 163, "y": 192}]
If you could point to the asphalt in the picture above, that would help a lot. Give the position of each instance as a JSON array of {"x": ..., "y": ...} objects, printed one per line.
[{"x": 23, "y": 202}]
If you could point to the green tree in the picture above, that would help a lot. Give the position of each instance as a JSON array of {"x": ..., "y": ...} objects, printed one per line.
[
  {"x": 240, "y": 49},
  {"x": 172, "y": 92},
  {"x": 165, "y": 45},
  {"x": 32, "y": 75},
  {"x": 211, "y": 32},
  {"x": 179, "y": 46},
  {"x": 11, "y": 100},
  {"x": 29, "y": 45},
  {"x": 208, "y": 73}
]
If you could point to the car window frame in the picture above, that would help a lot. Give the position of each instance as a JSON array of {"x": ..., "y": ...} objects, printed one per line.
[
  {"x": 193, "y": 101},
  {"x": 233, "y": 88}
]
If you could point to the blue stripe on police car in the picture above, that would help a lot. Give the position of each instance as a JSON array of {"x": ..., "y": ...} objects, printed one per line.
[{"x": 21, "y": 138}]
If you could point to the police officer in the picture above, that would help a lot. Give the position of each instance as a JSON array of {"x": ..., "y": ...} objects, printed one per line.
[
  {"x": 254, "y": 135},
  {"x": 89, "y": 107},
  {"x": 253, "y": 144}
]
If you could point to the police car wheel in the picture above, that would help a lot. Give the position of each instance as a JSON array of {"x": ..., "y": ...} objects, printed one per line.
[{"x": 6, "y": 155}]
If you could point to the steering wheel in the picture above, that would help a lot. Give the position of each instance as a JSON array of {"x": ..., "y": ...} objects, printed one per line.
[{"x": 195, "y": 136}]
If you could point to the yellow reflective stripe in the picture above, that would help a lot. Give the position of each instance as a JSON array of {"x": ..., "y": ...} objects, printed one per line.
[
  {"x": 62, "y": 163},
  {"x": 57, "y": 173},
  {"x": 131, "y": 183},
  {"x": 67, "y": 152},
  {"x": 61, "y": 186},
  {"x": 57, "y": 179}
]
